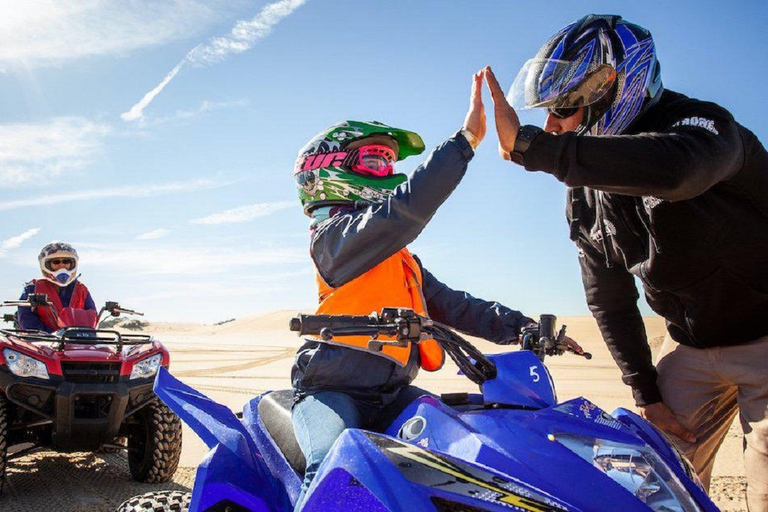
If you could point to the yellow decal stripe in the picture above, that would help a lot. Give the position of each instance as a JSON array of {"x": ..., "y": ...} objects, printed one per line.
[{"x": 429, "y": 460}]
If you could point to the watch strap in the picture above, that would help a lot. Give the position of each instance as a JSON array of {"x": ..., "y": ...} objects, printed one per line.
[{"x": 525, "y": 136}]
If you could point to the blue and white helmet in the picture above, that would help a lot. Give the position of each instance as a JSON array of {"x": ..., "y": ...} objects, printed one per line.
[
  {"x": 599, "y": 62},
  {"x": 58, "y": 251}
]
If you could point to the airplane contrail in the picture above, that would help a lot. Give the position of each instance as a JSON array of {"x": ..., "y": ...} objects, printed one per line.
[
  {"x": 242, "y": 37},
  {"x": 16, "y": 241},
  {"x": 138, "y": 109}
]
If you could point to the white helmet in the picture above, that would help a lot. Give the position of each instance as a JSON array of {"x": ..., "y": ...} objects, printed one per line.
[{"x": 58, "y": 251}]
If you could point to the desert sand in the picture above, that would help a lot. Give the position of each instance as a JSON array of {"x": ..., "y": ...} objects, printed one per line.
[{"x": 237, "y": 360}]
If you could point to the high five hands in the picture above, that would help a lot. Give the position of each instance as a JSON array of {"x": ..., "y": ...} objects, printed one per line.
[{"x": 507, "y": 122}]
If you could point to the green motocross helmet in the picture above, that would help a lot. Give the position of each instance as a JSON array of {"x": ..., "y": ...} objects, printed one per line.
[{"x": 331, "y": 169}]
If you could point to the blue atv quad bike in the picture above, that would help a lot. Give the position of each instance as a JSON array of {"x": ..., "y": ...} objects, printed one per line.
[{"x": 510, "y": 447}]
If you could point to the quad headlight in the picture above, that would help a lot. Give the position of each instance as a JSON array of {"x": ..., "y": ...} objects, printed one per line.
[
  {"x": 685, "y": 463},
  {"x": 24, "y": 365},
  {"x": 146, "y": 367},
  {"x": 636, "y": 468}
]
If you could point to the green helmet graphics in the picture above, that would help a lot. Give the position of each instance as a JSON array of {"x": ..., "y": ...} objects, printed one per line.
[{"x": 324, "y": 177}]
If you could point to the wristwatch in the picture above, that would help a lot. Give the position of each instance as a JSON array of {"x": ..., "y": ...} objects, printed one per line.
[{"x": 525, "y": 136}]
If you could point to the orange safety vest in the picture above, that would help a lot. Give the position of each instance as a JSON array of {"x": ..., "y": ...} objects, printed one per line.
[
  {"x": 395, "y": 282},
  {"x": 49, "y": 314}
]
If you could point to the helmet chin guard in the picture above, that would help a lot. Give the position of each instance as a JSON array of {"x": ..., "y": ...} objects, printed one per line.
[{"x": 61, "y": 277}]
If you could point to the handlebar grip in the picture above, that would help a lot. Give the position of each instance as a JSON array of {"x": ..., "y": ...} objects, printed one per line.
[
  {"x": 547, "y": 326},
  {"x": 314, "y": 324}
]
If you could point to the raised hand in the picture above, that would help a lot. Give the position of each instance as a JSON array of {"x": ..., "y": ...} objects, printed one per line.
[
  {"x": 475, "y": 121},
  {"x": 507, "y": 122}
]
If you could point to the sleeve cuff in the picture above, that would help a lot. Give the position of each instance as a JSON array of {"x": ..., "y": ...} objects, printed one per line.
[
  {"x": 644, "y": 388},
  {"x": 547, "y": 153},
  {"x": 464, "y": 146},
  {"x": 473, "y": 141}
]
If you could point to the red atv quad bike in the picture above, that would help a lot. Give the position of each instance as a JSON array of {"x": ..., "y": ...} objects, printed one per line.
[{"x": 83, "y": 388}]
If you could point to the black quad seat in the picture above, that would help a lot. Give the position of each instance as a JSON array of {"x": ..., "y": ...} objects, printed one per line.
[{"x": 275, "y": 413}]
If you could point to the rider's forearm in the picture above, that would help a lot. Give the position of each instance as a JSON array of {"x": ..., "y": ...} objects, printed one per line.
[
  {"x": 28, "y": 320},
  {"x": 476, "y": 317},
  {"x": 89, "y": 303},
  {"x": 622, "y": 328},
  {"x": 349, "y": 244},
  {"x": 612, "y": 298},
  {"x": 674, "y": 165}
]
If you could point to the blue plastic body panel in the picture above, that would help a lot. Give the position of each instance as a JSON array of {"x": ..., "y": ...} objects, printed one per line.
[{"x": 499, "y": 451}]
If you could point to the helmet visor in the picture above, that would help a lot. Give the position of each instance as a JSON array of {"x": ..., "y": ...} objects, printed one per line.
[
  {"x": 560, "y": 84},
  {"x": 373, "y": 160}
]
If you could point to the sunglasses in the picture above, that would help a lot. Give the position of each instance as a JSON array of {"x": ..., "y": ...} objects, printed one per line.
[
  {"x": 65, "y": 261},
  {"x": 562, "y": 112},
  {"x": 372, "y": 160}
]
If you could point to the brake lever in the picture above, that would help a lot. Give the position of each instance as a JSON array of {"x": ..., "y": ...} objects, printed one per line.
[{"x": 562, "y": 346}]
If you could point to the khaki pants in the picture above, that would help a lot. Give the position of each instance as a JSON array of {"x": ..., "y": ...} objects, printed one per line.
[{"x": 705, "y": 388}]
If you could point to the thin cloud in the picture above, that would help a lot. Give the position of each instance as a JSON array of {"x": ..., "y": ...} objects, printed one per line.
[
  {"x": 129, "y": 191},
  {"x": 31, "y": 151},
  {"x": 244, "y": 213},
  {"x": 153, "y": 235},
  {"x": 205, "y": 106},
  {"x": 15, "y": 242},
  {"x": 243, "y": 36},
  {"x": 36, "y": 33}
]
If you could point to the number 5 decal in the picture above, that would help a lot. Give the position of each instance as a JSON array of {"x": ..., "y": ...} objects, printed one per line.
[{"x": 534, "y": 374}]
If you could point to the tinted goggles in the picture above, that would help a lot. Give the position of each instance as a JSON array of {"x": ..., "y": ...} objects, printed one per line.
[{"x": 372, "y": 160}]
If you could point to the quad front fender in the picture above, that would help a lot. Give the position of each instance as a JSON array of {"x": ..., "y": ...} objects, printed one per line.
[{"x": 234, "y": 470}]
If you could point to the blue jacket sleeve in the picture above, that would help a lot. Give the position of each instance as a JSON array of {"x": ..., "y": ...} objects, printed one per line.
[
  {"x": 349, "y": 244},
  {"x": 89, "y": 303},
  {"x": 475, "y": 317},
  {"x": 26, "y": 318}
]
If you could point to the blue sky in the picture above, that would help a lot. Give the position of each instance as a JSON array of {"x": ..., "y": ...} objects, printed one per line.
[{"x": 159, "y": 136}]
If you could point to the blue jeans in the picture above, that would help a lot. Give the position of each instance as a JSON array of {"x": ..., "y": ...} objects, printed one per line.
[{"x": 320, "y": 418}]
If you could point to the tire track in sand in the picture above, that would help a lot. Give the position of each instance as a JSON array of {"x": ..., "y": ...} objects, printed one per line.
[{"x": 289, "y": 352}]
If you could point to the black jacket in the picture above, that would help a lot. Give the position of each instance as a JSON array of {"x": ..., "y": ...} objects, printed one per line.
[
  {"x": 350, "y": 243},
  {"x": 680, "y": 202}
]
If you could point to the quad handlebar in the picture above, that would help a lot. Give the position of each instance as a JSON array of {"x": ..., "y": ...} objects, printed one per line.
[
  {"x": 402, "y": 324},
  {"x": 114, "y": 309},
  {"x": 407, "y": 327},
  {"x": 542, "y": 341},
  {"x": 36, "y": 300},
  {"x": 33, "y": 300}
]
